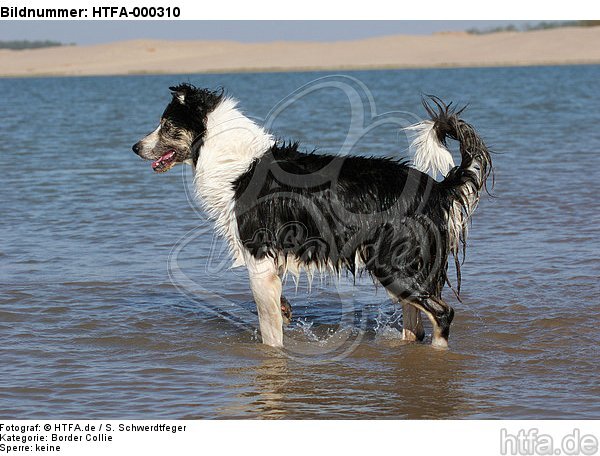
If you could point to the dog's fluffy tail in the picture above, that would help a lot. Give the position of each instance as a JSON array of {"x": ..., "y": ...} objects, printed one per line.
[
  {"x": 430, "y": 154},
  {"x": 463, "y": 183}
]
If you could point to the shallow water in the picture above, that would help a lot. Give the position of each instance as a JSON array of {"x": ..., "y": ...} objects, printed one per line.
[{"x": 116, "y": 300}]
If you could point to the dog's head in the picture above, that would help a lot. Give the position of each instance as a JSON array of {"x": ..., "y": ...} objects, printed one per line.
[{"x": 182, "y": 128}]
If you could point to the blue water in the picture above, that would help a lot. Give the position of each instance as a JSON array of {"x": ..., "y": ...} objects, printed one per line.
[{"x": 116, "y": 300}]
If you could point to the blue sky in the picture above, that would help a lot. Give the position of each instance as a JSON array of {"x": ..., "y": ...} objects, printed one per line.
[{"x": 92, "y": 32}]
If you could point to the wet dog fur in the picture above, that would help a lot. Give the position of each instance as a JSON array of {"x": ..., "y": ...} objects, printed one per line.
[{"x": 283, "y": 210}]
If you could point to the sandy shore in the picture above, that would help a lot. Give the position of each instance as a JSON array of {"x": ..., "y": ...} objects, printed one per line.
[{"x": 558, "y": 46}]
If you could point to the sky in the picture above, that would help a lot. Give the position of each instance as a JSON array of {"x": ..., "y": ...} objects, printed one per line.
[{"x": 94, "y": 32}]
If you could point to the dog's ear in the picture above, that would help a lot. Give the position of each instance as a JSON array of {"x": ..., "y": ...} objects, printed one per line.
[
  {"x": 181, "y": 92},
  {"x": 202, "y": 100}
]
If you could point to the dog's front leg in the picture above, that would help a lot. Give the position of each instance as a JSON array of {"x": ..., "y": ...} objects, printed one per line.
[{"x": 266, "y": 288}]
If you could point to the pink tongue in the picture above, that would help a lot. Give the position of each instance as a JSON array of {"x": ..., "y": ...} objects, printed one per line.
[{"x": 165, "y": 157}]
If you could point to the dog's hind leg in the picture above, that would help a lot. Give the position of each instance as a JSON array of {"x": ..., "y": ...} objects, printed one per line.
[
  {"x": 440, "y": 315},
  {"x": 412, "y": 325},
  {"x": 266, "y": 288}
]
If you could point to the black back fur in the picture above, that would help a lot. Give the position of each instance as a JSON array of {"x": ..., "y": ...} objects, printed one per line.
[{"x": 332, "y": 211}]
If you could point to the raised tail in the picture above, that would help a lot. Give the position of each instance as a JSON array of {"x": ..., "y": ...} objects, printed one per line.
[{"x": 464, "y": 182}]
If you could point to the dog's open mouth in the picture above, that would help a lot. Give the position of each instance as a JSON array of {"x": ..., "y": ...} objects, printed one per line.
[{"x": 165, "y": 162}]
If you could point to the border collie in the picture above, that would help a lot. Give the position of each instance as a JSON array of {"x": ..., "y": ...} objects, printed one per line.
[{"x": 283, "y": 210}]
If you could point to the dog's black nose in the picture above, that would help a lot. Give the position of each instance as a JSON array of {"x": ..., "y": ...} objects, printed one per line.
[{"x": 136, "y": 148}]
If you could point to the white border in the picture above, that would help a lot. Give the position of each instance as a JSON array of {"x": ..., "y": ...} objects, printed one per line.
[
  {"x": 348, "y": 10},
  {"x": 261, "y": 438}
]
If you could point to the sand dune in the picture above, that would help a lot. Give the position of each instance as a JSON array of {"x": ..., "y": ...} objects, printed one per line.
[{"x": 557, "y": 46}]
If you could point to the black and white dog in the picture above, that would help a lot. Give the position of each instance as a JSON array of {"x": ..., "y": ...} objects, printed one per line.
[{"x": 282, "y": 210}]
